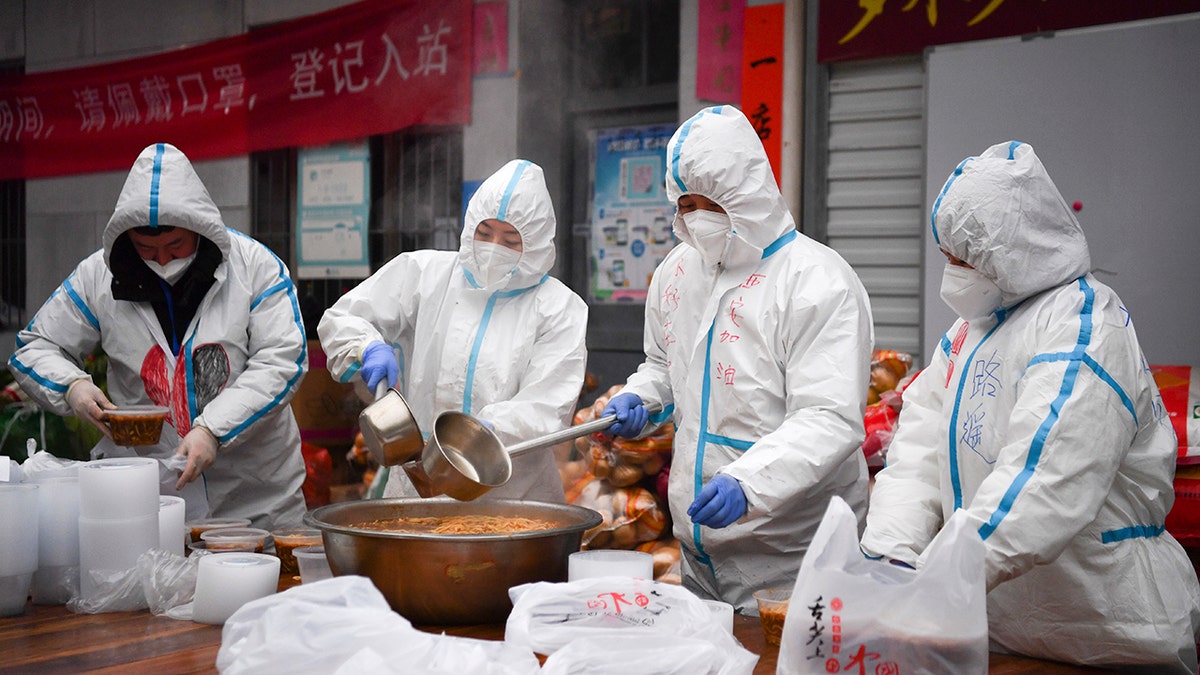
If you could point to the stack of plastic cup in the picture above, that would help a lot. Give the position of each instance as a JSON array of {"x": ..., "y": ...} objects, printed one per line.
[
  {"x": 18, "y": 544},
  {"x": 118, "y": 519},
  {"x": 226, "y": 581},
  {"x": 57, "y": 576},
  {"x": 171, "y": 533}
]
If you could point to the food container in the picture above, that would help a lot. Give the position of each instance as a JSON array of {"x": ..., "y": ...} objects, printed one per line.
[
  {"x": 136, "y": 425},
  {"x": 289, "y": 539},
  {"x": 772, "y": 610},
  {"x": 196, "y": 528},
  {"x": 314, "y": 566},
  {"x": 226, "y": 581},
  {"x": 450, "y": 579},
  {"x": 235, "y": 539},
  {"x": 610, "y": 563}
]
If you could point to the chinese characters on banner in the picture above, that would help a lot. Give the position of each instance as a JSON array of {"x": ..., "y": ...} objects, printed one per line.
[
  {"x": 762, "y": 77},
  {"x": 334, "y": 206},
  {"x": 875, "y": 28},
  {"x": 367, "y": 68},
  {"x": 631, "y": 216},
  {"x": 719, "y": 50},
  {"x": 491, "y": 37}
]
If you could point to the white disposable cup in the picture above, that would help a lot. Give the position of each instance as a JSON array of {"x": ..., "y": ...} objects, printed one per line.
[
  {"x": 111, "y": 546},
  {"x": 609, "y": 563},
  {"x": 313, "y": 564},
  {"x": 226, "y": 581},
  {"x": 18, "y": 544},
  {"x": 58, "y": 521},
  {"x": 722, "y": 613},
  {"x": 18, "y": 528},
  {"x": 118, "y": 487},
  {"x": 171, "y": 533}
]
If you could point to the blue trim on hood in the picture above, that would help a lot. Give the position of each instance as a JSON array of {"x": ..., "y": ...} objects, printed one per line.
[
  {"x": 155, "y": 178},
  {"x": 778, "y": 244},
  {"x": 683, "y": 134},
  {"x": 937, "y": 204},
  {"x": 502, "y": 214},
  {"x": 1012, "y": 149}
]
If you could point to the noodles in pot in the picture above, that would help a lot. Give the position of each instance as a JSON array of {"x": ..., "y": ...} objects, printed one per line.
[{"x": 458, "y": 524}]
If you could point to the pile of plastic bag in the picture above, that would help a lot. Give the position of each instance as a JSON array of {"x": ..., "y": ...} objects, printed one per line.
[{"x": 625, "y": 481}]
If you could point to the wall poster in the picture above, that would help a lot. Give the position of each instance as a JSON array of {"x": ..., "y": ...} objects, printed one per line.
[
  {"x": 631, "y": 216},
  {"x": 332, "y": 212}
]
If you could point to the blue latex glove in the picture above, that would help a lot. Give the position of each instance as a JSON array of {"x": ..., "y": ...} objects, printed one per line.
[
  {"x": 631, "y": 415},
  {"x": 379, "y": 362},
  {"x": 720, "y": 503}
]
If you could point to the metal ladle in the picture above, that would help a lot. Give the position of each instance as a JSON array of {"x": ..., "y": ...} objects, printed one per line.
[{"x": 464, "y": 458}]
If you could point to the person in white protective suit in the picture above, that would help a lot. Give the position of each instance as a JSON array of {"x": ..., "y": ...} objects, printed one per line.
[
  {"x": 758, "y": 344},
  {"x": 195, "y": 317},
  {"x": 1039, "y": 416},
  {"x": 484, "y": 330}
]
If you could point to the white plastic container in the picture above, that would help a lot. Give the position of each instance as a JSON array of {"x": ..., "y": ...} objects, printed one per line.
[
  {"x": 118, "y": 487},
  {"x": 226, "y": 581},
  {"x": 313, "y": 564},
  {"x": 18, "y": 544},
  {"x": 111, "y": 546},
  {"x": 171, "y": 533},
  {"x": 610, "y": 563},
  {"x": 57, "y": 576}
]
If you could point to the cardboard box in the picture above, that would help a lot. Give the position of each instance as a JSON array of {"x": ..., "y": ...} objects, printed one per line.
[{"x": 326, "y": 410}]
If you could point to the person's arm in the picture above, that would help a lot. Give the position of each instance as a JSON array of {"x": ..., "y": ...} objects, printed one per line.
[
  {"x": 50, "y": 351},
  {"x": 381, "y": 307},
  {"x": 278, "y": 354},
  {"x": 826, "y": 332},
  {"x": 905, "y": 511},
  {"x": 652, "y": 381},
  {"x": 551, "y": 382}
]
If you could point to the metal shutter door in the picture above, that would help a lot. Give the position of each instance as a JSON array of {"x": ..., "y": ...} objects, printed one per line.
[{"x": 874, "y": 192}]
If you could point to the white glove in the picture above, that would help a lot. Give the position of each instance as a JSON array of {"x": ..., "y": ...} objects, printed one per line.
[
  {"x": 88, "y": 403},
  {"x": 200, "y": 448}
]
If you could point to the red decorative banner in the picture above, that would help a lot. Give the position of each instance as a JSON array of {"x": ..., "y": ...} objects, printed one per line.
[
  {"x": 875, "y": 28},
  {"x": 762, "y": 78},
  {"x": 368, "y": 68},
  {"x": 491, "y": 37},
  {"x": 719, "y": 50}
]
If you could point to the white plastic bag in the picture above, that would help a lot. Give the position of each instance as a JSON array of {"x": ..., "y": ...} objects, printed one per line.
[
  {"x": 849, "y": 613},
  {"x": 659, "y": 624},
  {"x": 344, "y": 624}
]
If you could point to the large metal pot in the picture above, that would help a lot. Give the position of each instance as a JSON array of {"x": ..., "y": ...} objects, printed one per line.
[{"x": 440, "y": 579}]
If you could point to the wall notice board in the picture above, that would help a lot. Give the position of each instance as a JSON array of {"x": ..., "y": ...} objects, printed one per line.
[{"x": 1114, "y": 114}]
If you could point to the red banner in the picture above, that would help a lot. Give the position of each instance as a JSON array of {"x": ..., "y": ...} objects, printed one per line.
[
  {"x": 719, "y": 50},
  {"x": 762, "y": 78},
  {"x": 368, "y": 68},
  {"x": 875, "y": 28}
]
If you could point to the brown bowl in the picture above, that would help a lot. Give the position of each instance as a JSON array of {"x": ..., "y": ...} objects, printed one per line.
[
  {"x": 450, "y": 579},
  {"x": 136, "y": 425}
]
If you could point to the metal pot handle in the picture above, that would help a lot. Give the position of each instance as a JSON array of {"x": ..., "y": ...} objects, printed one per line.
[{"x": 571, "y": 433}]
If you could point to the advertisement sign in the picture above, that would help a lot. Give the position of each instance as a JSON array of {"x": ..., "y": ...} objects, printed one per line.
[
  {"x": 631, "y": 216},
  {"x": 368, "y": 68},
  {"x": 333, "y": 186}
]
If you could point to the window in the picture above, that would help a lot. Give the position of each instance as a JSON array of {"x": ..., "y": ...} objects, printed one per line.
[
  {"x": 12, "y": 254},
  {"x": 416, "y": 203}
]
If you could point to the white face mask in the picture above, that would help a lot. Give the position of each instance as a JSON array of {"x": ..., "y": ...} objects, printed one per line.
[
  {"x": 172, "y": 271},
  {"x": 494, "y": 261},
  {"x": 710, "y": 233},
  {"x": 969, "y": 293}
]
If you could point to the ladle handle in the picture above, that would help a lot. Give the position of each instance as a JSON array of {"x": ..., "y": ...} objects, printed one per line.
[
  {"x": 381, "y": 389},
  {"x": 571, "y": 433}
]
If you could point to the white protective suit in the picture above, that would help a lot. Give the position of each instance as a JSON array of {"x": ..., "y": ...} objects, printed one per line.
[
  {"x": 1042, "y": 421},
  {"x": 240, "y": 363},
  {"x": 511, "y": 353},
  {"x": 762, "y": 362}
]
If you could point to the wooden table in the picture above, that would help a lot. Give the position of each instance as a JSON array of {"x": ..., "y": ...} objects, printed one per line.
[{"x": 53, "y": 639}]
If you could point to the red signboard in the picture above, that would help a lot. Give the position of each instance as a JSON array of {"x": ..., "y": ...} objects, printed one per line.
[
  {"x": 762, "y": 77},
  {"x": 719, "y": 50},
  {"x": 874, "y": 28},
  {"x": 367, "y": 68}
]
